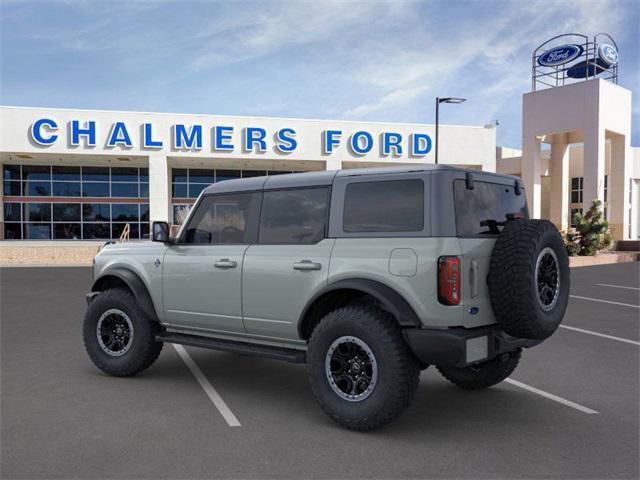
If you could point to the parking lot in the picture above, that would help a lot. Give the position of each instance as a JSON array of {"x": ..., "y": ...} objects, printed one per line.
[{"x": 571, "y": 410}]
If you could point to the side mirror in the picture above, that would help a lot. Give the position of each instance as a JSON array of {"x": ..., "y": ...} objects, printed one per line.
[{"x": 160, "y": 232}]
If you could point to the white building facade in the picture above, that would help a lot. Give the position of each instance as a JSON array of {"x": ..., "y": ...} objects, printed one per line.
[{"x": 86, "y": 174}]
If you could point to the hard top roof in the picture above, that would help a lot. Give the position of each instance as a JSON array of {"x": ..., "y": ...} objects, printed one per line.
[{"x": 314, "y": 179}]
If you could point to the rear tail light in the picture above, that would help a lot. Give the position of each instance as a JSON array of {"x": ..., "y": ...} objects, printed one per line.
[{"x": 449, "y": 280}]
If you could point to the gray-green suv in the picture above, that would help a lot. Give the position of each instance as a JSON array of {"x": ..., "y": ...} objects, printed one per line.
[{"x": 368, "y": 276}]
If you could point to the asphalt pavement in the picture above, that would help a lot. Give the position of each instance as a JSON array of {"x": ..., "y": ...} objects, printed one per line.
[{"x": 571, "y": 411}]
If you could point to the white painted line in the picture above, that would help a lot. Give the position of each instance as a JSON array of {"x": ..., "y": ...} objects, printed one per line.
[
  {"x": 211, "y": 392},
  {"x": 551, "y": 396},
  {"x": 616, "y": 286},
  {"x": 610, "y": 337},
  {"x": 605, "y": 301}
]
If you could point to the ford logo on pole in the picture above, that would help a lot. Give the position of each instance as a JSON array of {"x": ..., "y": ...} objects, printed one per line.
[
  {"x": 560, "y": 55},
  {"x": 608, "y": 54}
]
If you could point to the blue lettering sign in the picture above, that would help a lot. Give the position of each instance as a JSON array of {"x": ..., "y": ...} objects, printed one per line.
[
  {"x": 147, "y": 138},
  {"x": 89, "y": 131},
  {"x": 221, "y": 137},
  {"x": 255, "y": 136},
  {"x": 186, "y": 139},
  {"x": 286, "y": 140},
  {"x": 391, "y": 140},
  {"x": 119, "y": 136},
  {"x": 420, "y": 144},
  {"x": 331, "y": 139},
  {"x": 357, "y": 146},
  {"x": 36, "y": 131}
]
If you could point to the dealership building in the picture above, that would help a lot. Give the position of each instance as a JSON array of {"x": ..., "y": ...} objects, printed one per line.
[{"x": 90, "y": 175}]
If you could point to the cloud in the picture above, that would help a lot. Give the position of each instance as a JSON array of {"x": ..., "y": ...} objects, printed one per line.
[{"x": 496, "y": 47}]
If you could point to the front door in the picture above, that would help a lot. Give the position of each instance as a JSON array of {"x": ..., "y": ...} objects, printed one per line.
[
  {"x": 288, "y": 264},
  {"x": 202, "y": 274}
]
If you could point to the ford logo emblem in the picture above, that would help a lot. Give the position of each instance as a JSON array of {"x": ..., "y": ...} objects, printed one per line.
[
  {"x": 560, "y": 55},
  {"x": 608, "y": 54}
]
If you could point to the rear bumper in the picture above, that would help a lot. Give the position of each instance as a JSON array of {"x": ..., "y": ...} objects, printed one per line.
[{"x": 460, "y": 347}]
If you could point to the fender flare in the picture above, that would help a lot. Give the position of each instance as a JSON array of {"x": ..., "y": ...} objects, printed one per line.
[
  {"x": 391, "y": 300},
  {"x": 135, "y": 284}
]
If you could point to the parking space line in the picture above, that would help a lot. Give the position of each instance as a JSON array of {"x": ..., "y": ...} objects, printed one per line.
[
  {"x": 616, "y": 286},
  {"x": 553, "y": 397},
  {"x": 610, "y": 337},
  {"x": 605, "y": 301},
  {"x": 211, "y": 392}
]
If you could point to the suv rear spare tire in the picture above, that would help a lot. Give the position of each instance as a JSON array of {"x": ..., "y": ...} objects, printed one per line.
[{"x": 529, "y": 279}]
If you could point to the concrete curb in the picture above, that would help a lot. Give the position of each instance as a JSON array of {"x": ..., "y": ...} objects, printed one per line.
[
  {"x": 42, "y": 265},
  {"x": 604, "y": 259}
]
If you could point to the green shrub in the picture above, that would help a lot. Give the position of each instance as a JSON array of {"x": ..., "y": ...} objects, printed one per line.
[{"x": 591, "y": 234}]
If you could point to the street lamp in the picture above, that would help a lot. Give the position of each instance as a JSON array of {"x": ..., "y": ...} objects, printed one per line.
[{"x": 438, "y": 102}]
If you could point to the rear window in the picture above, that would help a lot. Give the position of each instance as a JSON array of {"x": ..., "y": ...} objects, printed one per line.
[
  {"x": 384, "y": 206},
  {"x": 483, "y": 210}
]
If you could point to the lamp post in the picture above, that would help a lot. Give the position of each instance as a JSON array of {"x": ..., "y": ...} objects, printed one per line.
[{"x": 438, "y": 102}]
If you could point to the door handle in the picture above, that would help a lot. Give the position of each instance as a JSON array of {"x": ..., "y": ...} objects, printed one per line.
[
  {"x": 307, "y": 265},
  {"x": 225, "y": 263},
  {"x": 474, "y": 278}
]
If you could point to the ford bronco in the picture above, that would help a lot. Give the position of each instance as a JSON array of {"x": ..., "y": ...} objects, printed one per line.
[{"x": 367, "y": 276}]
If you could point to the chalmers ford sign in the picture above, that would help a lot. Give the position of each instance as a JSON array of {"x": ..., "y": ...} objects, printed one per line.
[{"x": 221, "y": 138}]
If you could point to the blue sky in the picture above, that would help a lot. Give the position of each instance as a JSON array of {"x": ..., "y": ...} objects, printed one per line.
[{"x": 377, "y": 61}]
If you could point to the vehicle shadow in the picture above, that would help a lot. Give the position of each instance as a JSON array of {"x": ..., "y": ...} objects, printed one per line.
[{"x": 276, "y": 387}]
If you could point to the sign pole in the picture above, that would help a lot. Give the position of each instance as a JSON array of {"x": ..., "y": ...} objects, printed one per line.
[{"x": 437, "y": 125}]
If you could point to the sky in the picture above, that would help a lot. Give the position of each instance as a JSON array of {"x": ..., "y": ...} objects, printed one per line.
[{"x": 368, "y": 60}]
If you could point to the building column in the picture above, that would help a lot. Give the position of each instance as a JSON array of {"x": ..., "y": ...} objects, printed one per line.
[
  {"x": 531, "y": 173},
  {"x": 618, "y": 187},
  {"x": 333, "y": 164},
  {"x": 593, "y": 164},
  {"x": 159, "y": 188},
  {"x": 559, "y": 172}
]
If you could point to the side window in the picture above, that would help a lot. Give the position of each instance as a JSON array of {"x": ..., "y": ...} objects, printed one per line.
[
  {"x": 384, "y": 206},
  {"x": 483, "y": 210},
  {"x": 295, "y": 216},
  {"x": 221, "y": 219}
]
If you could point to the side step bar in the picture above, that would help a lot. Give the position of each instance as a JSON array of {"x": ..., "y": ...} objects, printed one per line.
[{"x": 278, "y": 353}]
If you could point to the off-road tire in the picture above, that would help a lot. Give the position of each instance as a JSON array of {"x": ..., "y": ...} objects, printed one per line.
[
  {"x": 398, "y": 370},
  {"x": 483, "y": 375},
  {"x": 512, "y": 279},
  {"x": 144, "y": 349}
]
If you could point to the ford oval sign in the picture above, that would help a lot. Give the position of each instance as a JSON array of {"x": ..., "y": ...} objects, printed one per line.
[
  {"x": 608, "y": 54},
  {"x": 560, "y": 55}
]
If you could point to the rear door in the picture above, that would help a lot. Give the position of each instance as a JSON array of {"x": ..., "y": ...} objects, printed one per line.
[
  {"x": 480, "y": 212},
  {"x": 289, "y": 263}
]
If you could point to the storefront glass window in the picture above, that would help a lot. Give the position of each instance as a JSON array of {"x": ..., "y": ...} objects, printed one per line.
[{"x": 64, "y": 215}]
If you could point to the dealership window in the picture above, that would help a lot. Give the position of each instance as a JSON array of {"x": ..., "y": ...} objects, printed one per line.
[
  {"x": 577, "y": 184},
  {"x": 74, "y": 221},
  {"x": 63, "y": 212},
  {"x": 188, "y": 183}
]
